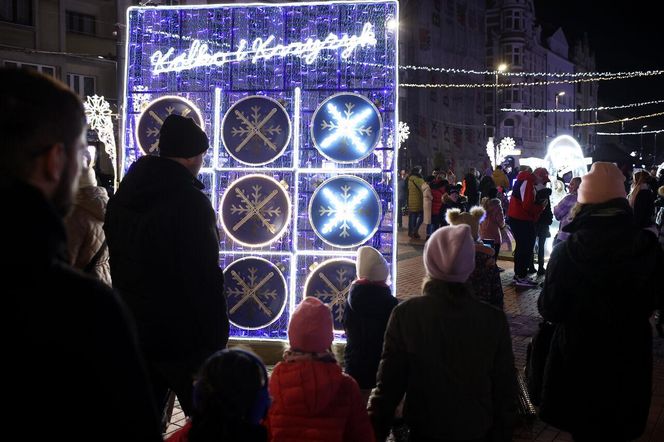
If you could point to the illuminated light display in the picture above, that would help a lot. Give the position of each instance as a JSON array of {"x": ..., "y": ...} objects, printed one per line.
[
  {"x": 346, "y": 127},
  {"x": 330, "y": 282},
  {"x": 99, "y": 116},
  {"x": 255, "y": 210},
  {"x": 151, "y": 119},
  {"x": 198, "y": 55},
  {"x": 345, "y": 211},
  {"x": 256, "y": 130},
  {"x": 564, "y": 155},
  {"x": 293, "y": 57},
  {"x": 256, "y": 292}
]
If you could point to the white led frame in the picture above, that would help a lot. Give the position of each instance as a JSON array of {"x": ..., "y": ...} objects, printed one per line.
[
  {"x": 162, "y": 98},
  {"x": 373, "y": 193},
  {"x": 281, "y": 231},
  {"x": 283, "y": 304},
  {"x": 283, "y": 149},
  {"x": 369, "y": 150}
]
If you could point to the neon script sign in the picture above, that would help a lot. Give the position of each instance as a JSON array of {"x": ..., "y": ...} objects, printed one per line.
[{"x": 199, "y": 54}]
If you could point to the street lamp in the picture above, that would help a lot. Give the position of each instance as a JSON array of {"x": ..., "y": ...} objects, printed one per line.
[
  {"x": 555, "y": 114},
  {"x": 502, "y": 67}
]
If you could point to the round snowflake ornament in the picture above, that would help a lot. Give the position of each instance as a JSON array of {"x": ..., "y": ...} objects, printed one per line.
[
  {"x": 255, "y": 291},
  {"x": 346, "y": 127},
  {"x": 255, "y": 210},
  {"x": 345, "y": 211},
  {"x": 256, "y": 130},
  {"x": 330, "y": 282},
  {"x": 507, "y": 143}
]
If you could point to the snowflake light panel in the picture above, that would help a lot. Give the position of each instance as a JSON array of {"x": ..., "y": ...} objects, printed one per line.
[
  {"x": 300, "y": 103},
  {"x": 330, "y": 282}
]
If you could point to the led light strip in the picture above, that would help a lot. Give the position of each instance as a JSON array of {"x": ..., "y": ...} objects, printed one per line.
[
  {"x": 596, "y": 123},
  {"x": 585, "y": 109},
  {"x": 645, "y": 132}
]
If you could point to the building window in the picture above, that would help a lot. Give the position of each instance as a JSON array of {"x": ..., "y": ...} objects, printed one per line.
[
  {"x": 81, "y": 84},
  {"x": 508, "y": 128},
  {"x": 44, "y": 69},
  {"x": 80, "y": 23},
  {"x": 16, "y": 11},
  {"x": 514, "y": 55},
  {"x": 513, "y": 21}
]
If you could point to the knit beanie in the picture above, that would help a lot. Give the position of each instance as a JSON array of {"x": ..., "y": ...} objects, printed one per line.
[
  {"x": 180, "y": 137},
  {"x": 310, "y": 327},
  {"x": 371, "y": 265},
  {"x": 472, "y": 218},
  {"x": 604, "y": 182},
  {"x": 449, "y": 254}
]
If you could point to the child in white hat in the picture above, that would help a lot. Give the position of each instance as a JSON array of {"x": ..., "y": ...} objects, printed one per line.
[{"x": 368, "y": 308}]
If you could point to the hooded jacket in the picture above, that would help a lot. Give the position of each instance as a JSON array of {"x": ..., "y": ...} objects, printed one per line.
[
  {"x": 164, "y": 247},
  {"x": 522, "y": 203},
  {"x": 85, "y": 232},
  {"x": 314, "y": 401},
  {"x": 600, "y": 294},
  {"x": 367, "y": 311}
]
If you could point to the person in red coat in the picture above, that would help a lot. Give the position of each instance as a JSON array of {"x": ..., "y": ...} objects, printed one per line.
[
  {"x": 311, "y": 398},
  {"x": 523, "y": 211}
]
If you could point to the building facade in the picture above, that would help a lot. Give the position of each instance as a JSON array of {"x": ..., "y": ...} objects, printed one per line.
[{"x": 516, "y": 39}]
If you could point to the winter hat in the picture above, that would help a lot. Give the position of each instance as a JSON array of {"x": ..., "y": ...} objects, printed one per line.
[
  {"x": 604, "y": 182},
  {"x": 472, "y": 218},
  {"x": 310, "y": 327},
  {"x": 449, "y": 254},
  {"x": 371, "y": 265},
  {"x": 542, "y": 174},
  {"x": 180, "y": 137}
]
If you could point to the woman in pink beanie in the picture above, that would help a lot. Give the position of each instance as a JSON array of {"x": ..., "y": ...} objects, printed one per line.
[
  {"x": 448, "y": 352},
  {"x": 600, "y": 291},
  {"x": 311, "y": 398}
]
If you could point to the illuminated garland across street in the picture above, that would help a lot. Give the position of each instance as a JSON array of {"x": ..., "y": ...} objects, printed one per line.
[
  {"x": 645, "y": 132},
  {"x": 586, "y": 109},
  {"x": 531, "y": 83},
  {"x": 640, "y": 117},
  {"x": 534, "y": 74}
]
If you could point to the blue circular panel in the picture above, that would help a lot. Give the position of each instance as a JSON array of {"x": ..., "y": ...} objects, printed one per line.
[
  {"x": 346, "y": 127},
  {"x": 330, "y": 282},
  {"x": 256, "y": 130},
  {"x": 151, "y": 119},
  {"x": 345, "y": 211},
  {"x": 255, "y": 210},
  {"x": 255, "y": 292}
]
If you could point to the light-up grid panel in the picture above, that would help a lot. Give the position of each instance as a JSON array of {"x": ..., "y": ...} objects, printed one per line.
[{"x": 300, "y": 104}]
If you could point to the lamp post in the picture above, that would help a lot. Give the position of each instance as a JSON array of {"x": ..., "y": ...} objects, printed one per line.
[
  {"x": 555, "y": 114},
  {"x": 502, "y": 67}
]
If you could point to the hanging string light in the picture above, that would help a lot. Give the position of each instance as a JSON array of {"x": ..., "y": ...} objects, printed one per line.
[
  {"x": 645, "y": 132},
  {"x": 599, "y": 108},
  {"x": 530, "y": 83},
  {"x": 640, "y": 117},
  {"x": 533, "y": 74}
]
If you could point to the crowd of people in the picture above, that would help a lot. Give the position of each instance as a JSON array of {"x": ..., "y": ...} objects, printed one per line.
[{"x": 442, "y": 363}]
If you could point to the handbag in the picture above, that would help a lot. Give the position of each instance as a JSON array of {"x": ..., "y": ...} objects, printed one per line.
[{"x": 536, "y": 355}]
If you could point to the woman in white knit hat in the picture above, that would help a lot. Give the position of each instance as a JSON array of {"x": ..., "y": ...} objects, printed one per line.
[
  {"x": 449, "y": 353},
  {"x": 600, "y": 290}
]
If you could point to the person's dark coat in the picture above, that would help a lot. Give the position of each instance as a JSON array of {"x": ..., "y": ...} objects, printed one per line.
[
  {"x": 600, "y": 290},
  {"x": 164, "y": 247},
  {"x": 471, "y": 189},
  {"x": 486, "y": 184},
  {"x": 68, "y": 340},
  {"x": 546, "y": 217},
  {"x": 451, "y": 354},
  {"x": 367, "y": 311}
]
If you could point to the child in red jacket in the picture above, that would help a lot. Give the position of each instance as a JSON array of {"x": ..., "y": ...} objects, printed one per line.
[{"x": 311, "y": 398}]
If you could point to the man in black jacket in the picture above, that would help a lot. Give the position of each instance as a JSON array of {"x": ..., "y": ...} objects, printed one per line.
[
  {"x": 67, "y": 339},
  {"x": 164, "y": 249}
]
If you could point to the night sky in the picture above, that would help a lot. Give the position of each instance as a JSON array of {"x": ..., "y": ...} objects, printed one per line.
[{"x": 625, "y": 36}]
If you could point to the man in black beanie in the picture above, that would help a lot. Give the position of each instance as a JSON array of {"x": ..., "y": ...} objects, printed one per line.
[{"x": 164, "y": 251}]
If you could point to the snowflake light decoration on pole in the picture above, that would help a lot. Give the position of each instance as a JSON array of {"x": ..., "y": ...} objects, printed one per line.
[
  {"x": 346, "y": 127},
  {"x": 491, "y": 152},
  {"x": 330, "y": 282},
  {"x": 404, "y": 132},
  {"x": 345, "y": 211},
  {"x": 256, "y": 130},
  {"x": 256, "y": 292},
  {"x": 255, "y": 210},
  {"x": 99, "y": 116}
]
